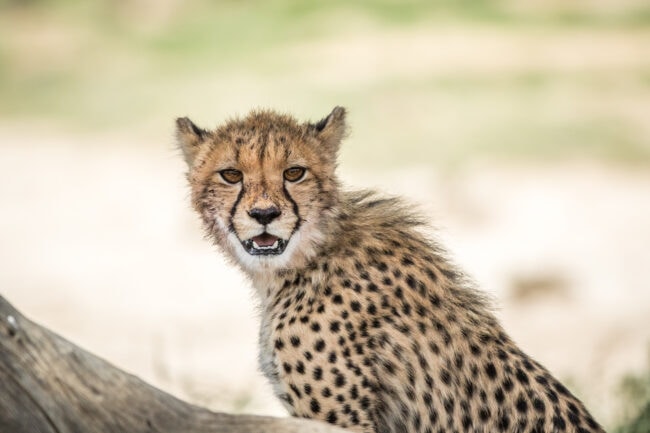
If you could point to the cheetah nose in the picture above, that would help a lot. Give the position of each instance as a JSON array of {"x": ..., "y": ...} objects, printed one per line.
[{"x": 264, "y": 216}]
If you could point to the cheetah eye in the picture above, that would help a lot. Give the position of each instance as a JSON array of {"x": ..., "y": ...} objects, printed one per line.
[
  {"x": 231, "y": 175},
  {"x": 294, "y": 174}
]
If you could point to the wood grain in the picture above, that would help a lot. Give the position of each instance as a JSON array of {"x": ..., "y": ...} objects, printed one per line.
[{"x": 49, "y": 385}]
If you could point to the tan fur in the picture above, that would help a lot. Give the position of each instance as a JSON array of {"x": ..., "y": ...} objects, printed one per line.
[{"x": 365, "y": 324}]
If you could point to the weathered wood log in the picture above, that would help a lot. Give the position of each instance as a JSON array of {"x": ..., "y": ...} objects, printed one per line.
[{"x": 48, "y": 384}]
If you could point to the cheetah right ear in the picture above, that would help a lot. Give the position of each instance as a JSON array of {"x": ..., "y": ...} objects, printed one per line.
[
  {"x": 332, "y": 129},
  {"x": 189, "y": 138}
]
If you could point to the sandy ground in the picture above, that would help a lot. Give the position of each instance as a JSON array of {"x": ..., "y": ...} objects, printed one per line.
[{"x": 97, "y": 242}]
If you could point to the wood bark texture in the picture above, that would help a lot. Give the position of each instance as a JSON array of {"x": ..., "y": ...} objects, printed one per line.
[{"x": 49, "y": 385}]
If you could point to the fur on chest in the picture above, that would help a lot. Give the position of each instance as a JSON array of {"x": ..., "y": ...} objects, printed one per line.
[{"x": 313, "y": 356}]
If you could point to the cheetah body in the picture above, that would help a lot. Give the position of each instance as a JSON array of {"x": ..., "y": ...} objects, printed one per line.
[{"x": 364, "y": 322}]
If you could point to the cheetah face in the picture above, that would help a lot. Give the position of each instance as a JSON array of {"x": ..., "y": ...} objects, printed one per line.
[{"x": 264, "y": 185}]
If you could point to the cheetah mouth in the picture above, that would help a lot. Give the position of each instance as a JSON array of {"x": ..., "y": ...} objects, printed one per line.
[{"x": 264, "y": 245}]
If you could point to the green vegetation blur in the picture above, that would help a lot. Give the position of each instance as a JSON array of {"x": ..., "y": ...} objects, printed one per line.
[{"x": 438, "y": 81}]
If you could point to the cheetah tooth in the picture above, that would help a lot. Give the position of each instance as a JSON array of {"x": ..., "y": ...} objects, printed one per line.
[{"x": 269, "y": 247}]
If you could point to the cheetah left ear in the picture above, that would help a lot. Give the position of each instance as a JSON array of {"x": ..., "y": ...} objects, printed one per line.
[{"x": 332, "y": 129}]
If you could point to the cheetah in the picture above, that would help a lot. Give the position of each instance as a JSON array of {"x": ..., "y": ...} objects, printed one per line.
[{"x": 365, "y": 323}]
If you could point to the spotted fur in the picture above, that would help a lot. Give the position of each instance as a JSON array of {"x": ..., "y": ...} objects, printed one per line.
[{"x": 364, "y": 322}]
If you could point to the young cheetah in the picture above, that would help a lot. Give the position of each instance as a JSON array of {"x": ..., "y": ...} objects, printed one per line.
[{"x": 364, "y": 323}]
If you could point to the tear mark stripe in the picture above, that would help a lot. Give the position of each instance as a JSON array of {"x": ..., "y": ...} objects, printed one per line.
[
  {"x": 295, "y": 208},
  {"x": 233, "y": 210}
]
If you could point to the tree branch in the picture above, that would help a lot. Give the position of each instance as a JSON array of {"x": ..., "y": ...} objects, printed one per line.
[{"x": 49, "y": 385}]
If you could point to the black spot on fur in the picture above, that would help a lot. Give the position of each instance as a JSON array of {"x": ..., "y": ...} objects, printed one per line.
[
  {"x": 559, "y": 423},
  {"x": 522, "y": 377},
  {"x": 504, "y": 423},
  {"x": 295, "y": 390},
  {"x": 314, "y": 406},
  {"x": 490, "y": 370},
  {"x": 445, "y": 376},
  {"x": 300, "y": 367},
  {"x": 449, "y": 404},
  {"x": 539, "y": 405},
  {"x": 521, "y": 404},
  {"x": 432, "y": 275},
  {"x": 499, "y": 396},
  {"x": 507, "y": 384},
  {"x": 469, "y": 389},
  {"x": 411, "y": 281},
  {"x": 574, "y": 418},
  {"x": 561, "y": 389}
]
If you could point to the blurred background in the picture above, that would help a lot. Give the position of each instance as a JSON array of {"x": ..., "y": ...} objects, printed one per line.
[{"x": 520, "y": 128}]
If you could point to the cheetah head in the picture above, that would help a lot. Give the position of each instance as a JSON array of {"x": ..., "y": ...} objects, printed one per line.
[{"x": 264, "y": 185}]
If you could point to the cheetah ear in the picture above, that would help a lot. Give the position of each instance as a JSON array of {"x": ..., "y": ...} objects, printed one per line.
[
  {"x": 332, "y": 129},
  {"x": 189, "y": 138}
]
